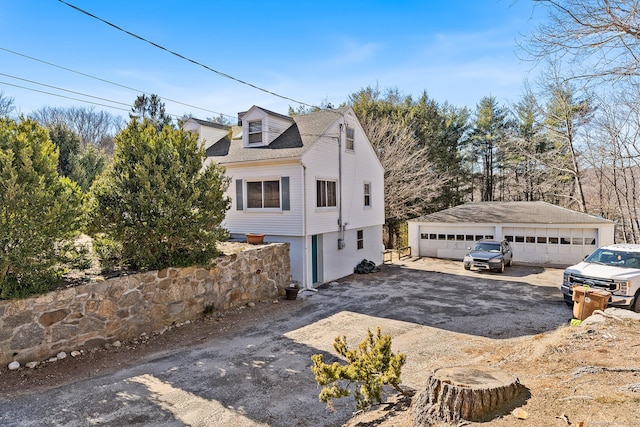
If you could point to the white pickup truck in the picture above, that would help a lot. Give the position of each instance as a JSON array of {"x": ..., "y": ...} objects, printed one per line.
[{"x": 615, "y": 268}]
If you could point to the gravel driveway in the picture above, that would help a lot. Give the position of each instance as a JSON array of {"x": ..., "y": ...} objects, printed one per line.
[{"x": 437, "y": 313}]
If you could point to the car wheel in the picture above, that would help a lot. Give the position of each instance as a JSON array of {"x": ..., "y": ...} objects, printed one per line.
[
  {"x": 501, "y": 268},
  {"x": 467, "y": 267},
  {"x": 510, "y": 263}
]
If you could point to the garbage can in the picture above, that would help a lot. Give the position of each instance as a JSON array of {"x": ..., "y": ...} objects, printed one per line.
[{"x": 587, "y": 300}]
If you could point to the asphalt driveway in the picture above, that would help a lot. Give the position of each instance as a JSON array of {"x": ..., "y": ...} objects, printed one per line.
[{"x": 435, "y": 311}]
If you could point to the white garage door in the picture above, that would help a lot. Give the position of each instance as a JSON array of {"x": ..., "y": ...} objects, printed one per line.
[
  {"x": 550, "y": 245},
  {"x": 450, "y": 242}
]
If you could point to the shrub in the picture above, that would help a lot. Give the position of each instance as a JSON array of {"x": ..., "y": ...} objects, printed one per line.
[
  {"x": 40, "y": 212},
  {"x": 368, "y": 367},
  {"x": 156, "y": 199}
]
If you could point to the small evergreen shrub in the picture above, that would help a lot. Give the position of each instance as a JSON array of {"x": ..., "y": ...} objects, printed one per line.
[{"x": 369, "y": 367}]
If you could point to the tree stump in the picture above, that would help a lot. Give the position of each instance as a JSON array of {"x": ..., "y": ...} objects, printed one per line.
[{"x": 467, "y": 393}]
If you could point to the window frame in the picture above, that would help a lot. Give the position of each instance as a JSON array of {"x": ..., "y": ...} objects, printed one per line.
[
  {"x": 359, "y": 239},
  {"x": 262, "y": 206},
  {"x": 251, "y": 133},
  {"x": 366, "y": 189},
  {"x": 323, "y": 199},
  {"x": 350, "y": 138}
]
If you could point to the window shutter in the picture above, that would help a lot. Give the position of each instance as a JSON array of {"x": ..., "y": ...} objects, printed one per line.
[
  {"x": 284, "y": 184},
  {"x": 239, "y": 205}
]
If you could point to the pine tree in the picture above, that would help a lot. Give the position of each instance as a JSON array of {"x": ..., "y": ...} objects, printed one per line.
[{"x": 156, "y": 199}]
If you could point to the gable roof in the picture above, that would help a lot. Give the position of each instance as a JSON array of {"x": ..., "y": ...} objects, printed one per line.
[
  {"x": 305, "y": 130},
  {"x": 208, "y": 123},
  {"x": 269, "y": 112},
  {"x": 509, "y": 213}
]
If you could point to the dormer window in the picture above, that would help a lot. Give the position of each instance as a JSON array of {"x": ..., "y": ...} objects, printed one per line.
[{"x": 255, "y": 132}]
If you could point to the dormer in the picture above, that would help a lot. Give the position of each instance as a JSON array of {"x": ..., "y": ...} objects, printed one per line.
[
  {"x": 208, "y": 132},
  {"x": 260, "y": 126}
]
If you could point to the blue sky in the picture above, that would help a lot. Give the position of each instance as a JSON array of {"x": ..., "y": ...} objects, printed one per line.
[{"x": 314, "y": 52}]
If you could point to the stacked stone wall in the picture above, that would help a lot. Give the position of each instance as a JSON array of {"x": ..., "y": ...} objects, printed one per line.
[{"x": 119, "y": 308}]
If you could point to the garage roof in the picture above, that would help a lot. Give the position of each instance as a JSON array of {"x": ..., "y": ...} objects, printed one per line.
[{"x": 510, "y": 213}]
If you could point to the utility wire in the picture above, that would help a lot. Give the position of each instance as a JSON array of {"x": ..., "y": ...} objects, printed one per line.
[
  {"x": 71, "y": 91},
  {"x": 66, "y": 97},
  {"x": 63, "y": 89},
  {"x": 220, "y": 73},
  {"x": 110, "y": 82}
]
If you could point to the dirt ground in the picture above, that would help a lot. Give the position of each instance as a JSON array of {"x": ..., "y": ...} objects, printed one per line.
[{"x": 586, "y": 375}]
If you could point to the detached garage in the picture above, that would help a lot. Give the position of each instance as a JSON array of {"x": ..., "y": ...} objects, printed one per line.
[{"x": 539, "y": 232}]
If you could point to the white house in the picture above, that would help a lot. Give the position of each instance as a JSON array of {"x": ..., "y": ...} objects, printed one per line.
[
  {"x": 539, "y": 232},
  {"x": 311, "y": 180}
]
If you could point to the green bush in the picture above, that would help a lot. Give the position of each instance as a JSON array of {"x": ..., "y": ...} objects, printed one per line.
[
  {"x": 109, "y": 252},
  {"x": 156, "y": 199},
  {"x": 368, "y": 368},
  {"x": 40, "y": 212}
]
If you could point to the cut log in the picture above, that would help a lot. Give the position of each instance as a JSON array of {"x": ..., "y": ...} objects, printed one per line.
[{"x": 467, "y": 393}]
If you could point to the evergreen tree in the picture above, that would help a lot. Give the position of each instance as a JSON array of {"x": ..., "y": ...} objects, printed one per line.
[
  {"x": 490, "y": 131},
  {"x": 39, "y": 210},
  {"x": 157, "y": 200},
  {"x": 152, "y": 109}
]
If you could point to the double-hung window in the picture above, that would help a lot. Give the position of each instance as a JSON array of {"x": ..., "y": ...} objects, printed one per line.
[
  {"x": 360, "y": 239},
  {"x": 367, "y": 194},
  {"x": 263, "y": 194},
  {"x": 255, "y": 132},
  {"x": 326, "y": 193},
  {"x": 350, "y": 138}
]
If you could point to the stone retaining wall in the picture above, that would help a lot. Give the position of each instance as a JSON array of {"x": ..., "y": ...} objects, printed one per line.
[{"x": 105, "y": 311}]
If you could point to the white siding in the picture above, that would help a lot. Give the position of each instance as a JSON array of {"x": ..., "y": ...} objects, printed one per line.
[
  {"x": 358, "y": 166},
  {"x": 339, "y": 263},
  {"x": 209, "y": 135},
  {"x": 277, "y": 223}
]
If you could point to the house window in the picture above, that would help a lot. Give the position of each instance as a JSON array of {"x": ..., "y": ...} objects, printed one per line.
[
  {"x": 325, "y": 193},
  {"x": 350, "y": 137},
  {"x": 360, "y": 239},
  {"x": 367, "y": 195},
  {"x": 263, "y": 194},
  {"x": 255, "y": 132}
]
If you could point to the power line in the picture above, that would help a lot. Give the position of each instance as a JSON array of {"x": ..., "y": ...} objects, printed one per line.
[
  {"x": 220, "y": 73},
  {"x": 110, "y": 82},
  {"x": 66, "y": 97},
  {"x": 63, "y": 89}
]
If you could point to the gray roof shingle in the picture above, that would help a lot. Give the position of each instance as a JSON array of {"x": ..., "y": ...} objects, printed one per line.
[
  {"x": 509, "y": 213},
  {"x": 291, "y": 144}
]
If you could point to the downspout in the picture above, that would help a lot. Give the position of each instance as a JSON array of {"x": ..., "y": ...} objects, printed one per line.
[
  {"x": 305, "y": 245},
  {"x": 340, "y": 224}
]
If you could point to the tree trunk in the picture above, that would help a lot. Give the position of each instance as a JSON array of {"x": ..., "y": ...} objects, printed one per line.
[{"x": 467, "y": 393}]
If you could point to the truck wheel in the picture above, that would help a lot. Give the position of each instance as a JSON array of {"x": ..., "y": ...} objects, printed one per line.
[{"x": 636, "y": 303}]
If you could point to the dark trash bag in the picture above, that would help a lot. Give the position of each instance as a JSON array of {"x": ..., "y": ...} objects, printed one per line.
[{"x": 366, "y": 267}]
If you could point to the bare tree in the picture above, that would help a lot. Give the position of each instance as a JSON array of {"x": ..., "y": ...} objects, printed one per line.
[
  {"x": 410, "y": 177},
  {"x": 6, "y": 105},
  {"x": 597, "y": 38},
  {"x": 95, "y": 128},
  {"x": 614, "y": 163}
]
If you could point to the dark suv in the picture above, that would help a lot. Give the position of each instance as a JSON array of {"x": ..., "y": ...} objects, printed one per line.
[{"x": 491, "y": 255}]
